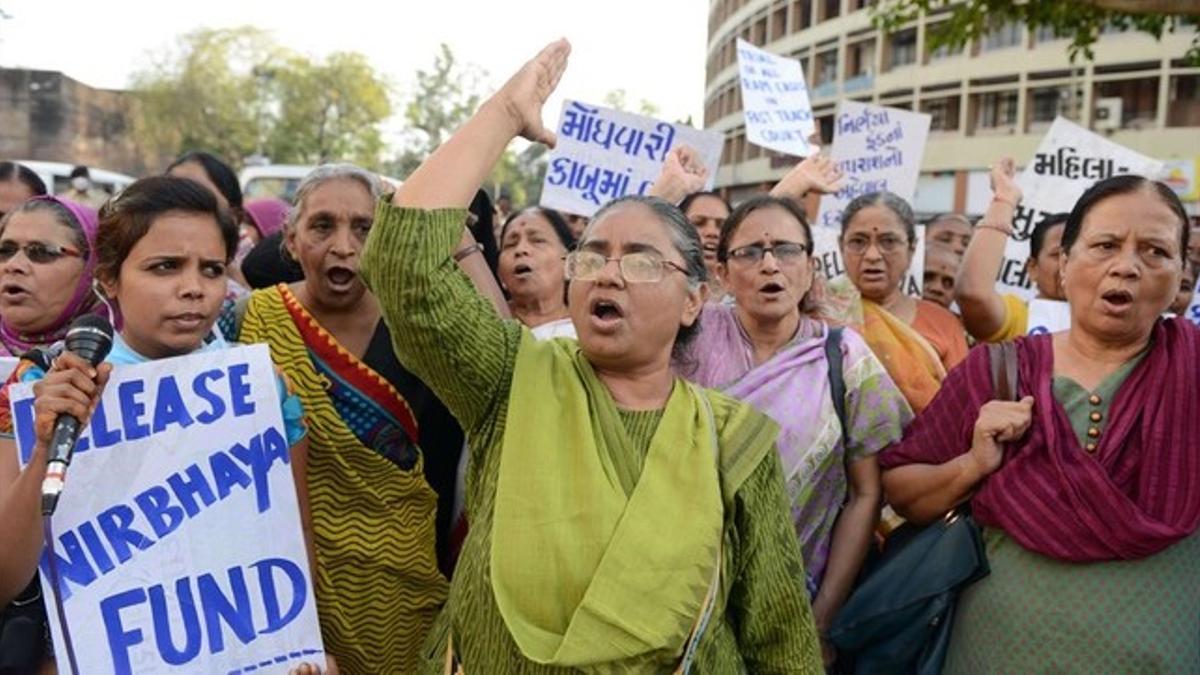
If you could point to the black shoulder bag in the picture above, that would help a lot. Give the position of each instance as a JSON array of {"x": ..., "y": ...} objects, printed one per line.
[{"x": 898, "y": 619}]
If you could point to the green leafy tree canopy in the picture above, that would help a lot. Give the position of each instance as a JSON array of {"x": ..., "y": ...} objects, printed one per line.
[{"x": 1081, "y": 21}]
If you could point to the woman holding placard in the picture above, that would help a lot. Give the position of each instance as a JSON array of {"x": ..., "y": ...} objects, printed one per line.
[
  {"x": 987, "y": 314},
  {"x": 772, "y": 350},
  {"x": 918, "y": 341},
  {"x": 621, "y": 519},
  {"x": 160, "y": 259},
  {"x": 382, "y": 448},
  {"x": 1087, "y": 486}
]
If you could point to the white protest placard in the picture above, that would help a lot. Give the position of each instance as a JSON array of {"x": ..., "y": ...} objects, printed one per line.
[
  {"x": 1068, "y": 161},
  {"x": 1048, "y": 316},
  {"x": 178, "y": 538},
  {"x": 877, "y": 149},
  {"x": 603, "y": 154},
  {"x": 778, "y": 112},
  {"x": 7, "y": 365},
  {"x": 829, "y": 261}
]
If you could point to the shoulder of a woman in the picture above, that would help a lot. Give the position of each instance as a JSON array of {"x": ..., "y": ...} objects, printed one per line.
[
  {"x": 935, "y": 313},
  {"x": 736, "y": 419}
]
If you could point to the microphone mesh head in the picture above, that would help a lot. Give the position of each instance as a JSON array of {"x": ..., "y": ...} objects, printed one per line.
[{"x": 91, "y": 337}]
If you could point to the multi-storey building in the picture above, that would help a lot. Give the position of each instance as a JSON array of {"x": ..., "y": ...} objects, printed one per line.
[{"x": 992, "y": 98}]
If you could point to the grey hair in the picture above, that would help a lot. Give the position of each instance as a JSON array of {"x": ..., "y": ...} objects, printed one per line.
[
  {"x": 943, "y": 217},
  {"x": 686, "y": 241},
  {"x": 892, "y": 202},
  {"x": 683, "y": 234},
  {"x": 322, "y": 175}
]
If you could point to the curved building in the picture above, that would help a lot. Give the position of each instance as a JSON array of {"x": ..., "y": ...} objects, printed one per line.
[{"x": 994, "y": 97}]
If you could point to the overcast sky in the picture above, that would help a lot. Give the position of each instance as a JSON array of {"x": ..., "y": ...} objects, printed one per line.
[{"x": 654, "y": 49}]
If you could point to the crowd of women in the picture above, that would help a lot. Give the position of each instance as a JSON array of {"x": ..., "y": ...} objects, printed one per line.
[{"x": 659, "y": 442}]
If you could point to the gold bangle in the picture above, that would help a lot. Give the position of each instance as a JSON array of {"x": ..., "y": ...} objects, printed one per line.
[{"x": 467, "y": 251}]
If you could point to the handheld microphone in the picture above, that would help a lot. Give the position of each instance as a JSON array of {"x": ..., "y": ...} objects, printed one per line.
[{"x": 89, "y": 337}]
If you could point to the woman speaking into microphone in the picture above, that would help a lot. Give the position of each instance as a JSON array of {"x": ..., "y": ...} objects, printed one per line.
[{"x": 162, "y": 252}]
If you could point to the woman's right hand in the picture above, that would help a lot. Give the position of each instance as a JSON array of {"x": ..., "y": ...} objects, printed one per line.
[
  {"x": 999, "y": 422},
  {"x": 72, "y": 387},
  {"x": 1004, "y": 182},
  {"x": 526, "y": 92}
]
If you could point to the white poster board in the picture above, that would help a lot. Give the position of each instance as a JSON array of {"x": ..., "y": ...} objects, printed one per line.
[
  {"x": 877, "y": 149},
  {"x": 1048, "y": 316},
  {"x": 1068, "y": 161},
  {"x": 178, "y": 534},
  {"x": 778, "y": 112},
  {"x": 603, "y": 154}
]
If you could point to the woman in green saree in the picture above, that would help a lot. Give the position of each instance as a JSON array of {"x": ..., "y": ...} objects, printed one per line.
[{"x": 622, "y": 520}]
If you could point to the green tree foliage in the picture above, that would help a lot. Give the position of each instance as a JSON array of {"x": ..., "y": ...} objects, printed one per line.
[
  {"x": 1081, "y": 21},
  {"x": 444, "y": 97},
  {"x": 202, "y": 96},
  {"x": 235, "y": 92},
  {"x": 328, "y": 111},
  {"x": 616, "y": 99}
]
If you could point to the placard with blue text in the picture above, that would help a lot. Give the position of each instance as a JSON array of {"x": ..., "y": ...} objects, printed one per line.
[
  {"x": 1069, "y": 160},
  {"x": 877, "y": 149},
  {"x": 603, "y": 154},
  {"x": 775, "y": 101},
  {"x": 178, "y": 536}
]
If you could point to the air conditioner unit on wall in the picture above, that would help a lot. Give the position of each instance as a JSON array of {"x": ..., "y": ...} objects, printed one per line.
[{"x": 1107, "y": 114}]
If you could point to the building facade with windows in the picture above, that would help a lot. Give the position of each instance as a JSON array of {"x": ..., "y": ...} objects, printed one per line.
[{"x": 994, "y": 97}]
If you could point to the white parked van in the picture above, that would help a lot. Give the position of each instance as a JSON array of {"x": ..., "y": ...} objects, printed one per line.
[{"x": 57, "y": 176}]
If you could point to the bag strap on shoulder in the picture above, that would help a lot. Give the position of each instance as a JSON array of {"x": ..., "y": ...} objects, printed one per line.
[
  {"x": 837, "y": 378},
  {"x": 1003, "y": 357}
]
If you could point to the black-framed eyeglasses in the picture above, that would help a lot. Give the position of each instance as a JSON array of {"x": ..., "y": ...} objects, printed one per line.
[
  {"x": 37, "y": 251},
  {"x": 786, "y": 253},
  {"x": 636, "y": 268}
]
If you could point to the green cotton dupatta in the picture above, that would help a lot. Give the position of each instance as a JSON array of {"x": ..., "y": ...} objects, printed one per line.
[{"x": 591, "y": 563}]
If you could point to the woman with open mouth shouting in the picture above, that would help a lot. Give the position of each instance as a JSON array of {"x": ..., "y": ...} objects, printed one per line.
[
  {"x": 918, "y": 341},
  {"x": 46, "y": 264},
  {"x": 382, "y": 448},
  {"x": 622, "y": 519},
  {"x": 533, "y": 247},
  {"x": 772, "y": 350},
  {"x": 1087, "y": 486}
]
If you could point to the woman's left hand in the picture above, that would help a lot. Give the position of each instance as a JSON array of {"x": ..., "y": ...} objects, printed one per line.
[{"x": 526, "y": 92}]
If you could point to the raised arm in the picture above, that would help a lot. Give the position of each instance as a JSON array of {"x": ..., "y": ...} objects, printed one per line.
[
  {"x": 817, "y": 172},
  {"x": 982, "y": 306},
  {"x": 681, "y": 175},
  {"x": 443, "y": 329},
  {"x": 452, "y": 174}
]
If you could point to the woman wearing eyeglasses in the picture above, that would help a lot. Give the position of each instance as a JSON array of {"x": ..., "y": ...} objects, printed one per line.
[
  {"x": 769, "y": 349},
  {"x": 622, "y": 520},
  {"x": 46, "y": 265},
  {"x": 918, "y": 341}
]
